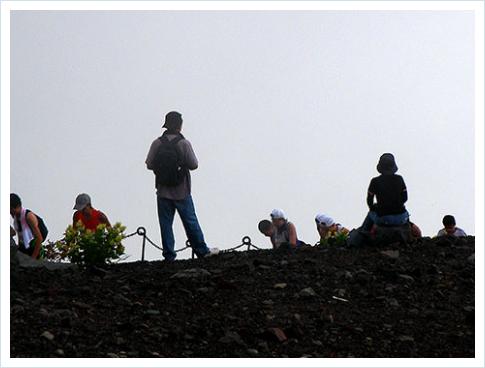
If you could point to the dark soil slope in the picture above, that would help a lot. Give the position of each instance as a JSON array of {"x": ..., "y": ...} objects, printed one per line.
[{"x": 412, "y": 300}]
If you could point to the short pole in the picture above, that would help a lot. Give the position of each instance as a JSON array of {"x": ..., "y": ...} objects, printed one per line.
[
  {"x": 141, "y": 231},
  {"x": 143, "y": 248}
]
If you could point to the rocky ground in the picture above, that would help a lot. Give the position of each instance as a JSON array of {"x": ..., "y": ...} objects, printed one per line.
[{"x": 414, "y": 300}]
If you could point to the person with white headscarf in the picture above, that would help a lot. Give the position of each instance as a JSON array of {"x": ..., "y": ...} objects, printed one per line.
[
  {"x": 281, "y": 232},
  {"x": 327, "y": 228}
]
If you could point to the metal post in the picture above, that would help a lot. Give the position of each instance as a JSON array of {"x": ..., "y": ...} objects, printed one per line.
[
  {"x": 143, "y": 248},
  {"x": 142, "y": 232},
  {"x": 247, "y": 241}
]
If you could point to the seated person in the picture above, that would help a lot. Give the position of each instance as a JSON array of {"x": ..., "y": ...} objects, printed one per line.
[
  {"x": 89, "y": 217},
  {"x": 327, "y": 228},
  {"x": 29, "y": 227},
  {"x": 391, "y": 194},
  {"x": 450, "y": 228},
  {"x": 280, "y": 231}
]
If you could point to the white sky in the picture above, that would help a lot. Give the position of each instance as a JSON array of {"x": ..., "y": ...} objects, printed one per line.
[{"x": 284, "y": 109}]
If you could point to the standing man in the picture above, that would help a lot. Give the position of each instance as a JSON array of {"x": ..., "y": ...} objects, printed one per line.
[{"x": 171, "y": 158}]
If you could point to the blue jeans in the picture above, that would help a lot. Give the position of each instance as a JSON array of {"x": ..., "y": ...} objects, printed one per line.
[
  {"x": 388, "y": 220},
  {"x": 185, "y": 208}
]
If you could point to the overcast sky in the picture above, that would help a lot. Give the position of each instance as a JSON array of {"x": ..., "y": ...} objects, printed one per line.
[{"x": 284, "y": 110}]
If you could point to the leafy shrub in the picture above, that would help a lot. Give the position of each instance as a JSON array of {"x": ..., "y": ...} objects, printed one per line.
[
  {"x": 86, "y": 247},
  {"x": 338, "y": 240}
]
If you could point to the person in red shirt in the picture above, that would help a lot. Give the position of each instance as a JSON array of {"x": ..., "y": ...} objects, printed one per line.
[{"x": 87, "y": 215}]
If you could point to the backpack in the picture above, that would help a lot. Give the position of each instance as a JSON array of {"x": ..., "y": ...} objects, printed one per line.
[
  {"x": 42, "y": 228},
  {"x": 168, "y": 163}
]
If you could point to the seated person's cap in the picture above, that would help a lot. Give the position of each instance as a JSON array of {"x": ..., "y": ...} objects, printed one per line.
[
  {"x": 82, "y": 200},
  {"x": 278, "y": 214},
  {"x": 322, "y": 219}
]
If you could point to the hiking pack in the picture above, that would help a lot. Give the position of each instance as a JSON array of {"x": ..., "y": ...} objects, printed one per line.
[
  {"x": 42, "y": 228},
  {"x": 168, "y": 163}
]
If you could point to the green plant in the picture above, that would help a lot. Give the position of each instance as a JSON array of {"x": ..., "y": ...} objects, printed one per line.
[
  {"x": 86, "y": 247},
  {"x": 337, "y": 239}
]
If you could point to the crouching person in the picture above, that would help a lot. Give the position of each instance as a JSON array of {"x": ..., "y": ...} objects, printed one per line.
[
  {"x": 30, "y": 228},
  {"x": 450, "y": 228},
  {"x": 329, "y": 231},
  {"x": 86, "y": 215},
  {"x": 281, "y": 232}
]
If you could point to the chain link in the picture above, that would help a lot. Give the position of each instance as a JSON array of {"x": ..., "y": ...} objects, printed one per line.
[{"x": 141, "y": 231}]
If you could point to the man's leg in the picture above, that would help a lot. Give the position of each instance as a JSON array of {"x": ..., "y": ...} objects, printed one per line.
[
  {"x": 192, "y": 228},
  {"x": 166, "y": 212},
  {"x": 369, "y": 221}
]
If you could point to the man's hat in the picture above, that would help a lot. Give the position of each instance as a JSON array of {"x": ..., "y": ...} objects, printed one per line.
[
  {"x": 82, "y": 200},
  {"x": 173, "y": 120}
]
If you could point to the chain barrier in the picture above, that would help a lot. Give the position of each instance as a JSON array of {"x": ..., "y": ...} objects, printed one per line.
[{"x": 141, "y": 231}]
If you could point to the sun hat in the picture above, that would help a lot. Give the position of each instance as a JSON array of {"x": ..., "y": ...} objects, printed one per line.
[
  {"x": 387, "y": 164},
  {"x": 325, "y": 220},
  {"x": 82, "y": 200}
]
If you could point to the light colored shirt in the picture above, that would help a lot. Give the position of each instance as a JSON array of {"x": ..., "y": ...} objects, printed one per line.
[
  {"x": 458, "y": 232},
  {"x": 189, "y": 160}
]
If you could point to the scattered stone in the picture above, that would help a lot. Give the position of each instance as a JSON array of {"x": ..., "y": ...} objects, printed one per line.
[
  {"x": 341, "y": 292},
  {"x": 253, "y": 352},
  {"x": 152, "y": 312},
  {"x": 263, "y": 267},
  {"x": 280, "y": 286},
  {"x": 393, "y": 302},
  {"x": 406, "y": 278},
  {"x": 471, "y": 259},
  {"x": 112, "y": 355},
  {"x": 59, "y": 352},
  {"x": 231, "y": 338},
  {"x": 47, "y": 335},
  {"x": 393, "y": 254},
  {"x": 121, "y": 299},
  {"x": 405, "y": 338},
  {"x": 307, "y": 293},
  {"x": 81, "y": 305},
  {"x": 191, "y": 273},
  {"x": 278, "y": 334}
]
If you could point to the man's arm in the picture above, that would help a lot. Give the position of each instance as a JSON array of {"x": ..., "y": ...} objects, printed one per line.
[
  {"x": 34, "y": 227},
  {"x": 404, "y": 193},
  {"x": 370, "y": 200},
  {"x": 188, "y": 154},
  {"x": 152, "y": 152},
  {"x": 370, "y": 195},
  {"x": 292, "y": 235},
  {"x": 12, "y": 231},
  {"x": 104, "y": 219}
]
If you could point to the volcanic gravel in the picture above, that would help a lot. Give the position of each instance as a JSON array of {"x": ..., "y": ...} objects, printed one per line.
[{"x": 412, "y": 300}]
